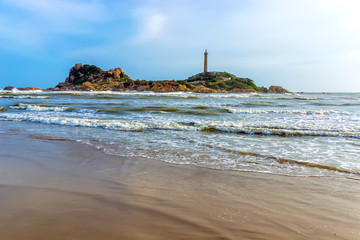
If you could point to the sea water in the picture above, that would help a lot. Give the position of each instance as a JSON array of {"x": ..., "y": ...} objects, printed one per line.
[{"x": 307, "y": 134}]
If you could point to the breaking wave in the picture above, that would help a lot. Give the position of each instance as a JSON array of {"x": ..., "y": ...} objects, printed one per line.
[
  {"x": 197, "y": 110},
  {"x": 212, "y": 127},
  {"x": 44, "y": 108},
  {"x": 281, "y": 160},
  {"x": 17, "y": 91},
  {"x": 24, "y": 97}
]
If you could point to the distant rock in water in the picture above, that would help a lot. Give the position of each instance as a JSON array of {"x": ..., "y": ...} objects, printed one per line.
[
  {"x": 90, "y": 77},
  {"x": 9, "y": 88},
  {"x": 29, "y": 89},
  {"x": 277, "y": 89}
]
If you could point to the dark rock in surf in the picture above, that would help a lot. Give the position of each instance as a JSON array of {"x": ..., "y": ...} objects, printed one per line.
[
  {"x": 9, "y": 88},
  {"x": 277, "y": 89}
]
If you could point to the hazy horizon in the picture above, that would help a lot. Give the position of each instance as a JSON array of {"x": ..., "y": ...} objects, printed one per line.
[{"x": 301, "y": 45}]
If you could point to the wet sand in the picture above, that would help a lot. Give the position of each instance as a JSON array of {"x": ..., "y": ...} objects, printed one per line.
[{"x": 57, "y": 189}]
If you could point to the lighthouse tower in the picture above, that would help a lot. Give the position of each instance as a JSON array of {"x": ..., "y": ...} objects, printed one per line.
[{"x": 205, "y": 61}]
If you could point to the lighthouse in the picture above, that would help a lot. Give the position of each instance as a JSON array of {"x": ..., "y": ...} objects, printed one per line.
[{"x": 205, "y": 61}]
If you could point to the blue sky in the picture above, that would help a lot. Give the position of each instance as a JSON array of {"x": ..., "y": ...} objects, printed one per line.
[{"x": 301, "y": 45}]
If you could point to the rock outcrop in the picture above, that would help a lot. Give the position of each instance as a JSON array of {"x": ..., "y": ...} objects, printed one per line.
[
  {"x": 90, "y": 77},
  {"x": 9, "y": 88},
  {"x": 277, "y": 89},
  {"x": 28, "y": 89}
]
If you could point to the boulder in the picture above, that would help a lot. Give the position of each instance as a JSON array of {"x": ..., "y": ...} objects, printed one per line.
[
  {"x": 77, "y": 66},
  {"x": 29, "y": 89},
  {"x": 87, "y": 86},
  {"x": 9, "y": 88},
  {"x": 277, "y": 89}
]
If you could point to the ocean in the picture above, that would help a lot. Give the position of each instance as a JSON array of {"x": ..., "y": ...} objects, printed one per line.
[{"x": 301, "y": 134}]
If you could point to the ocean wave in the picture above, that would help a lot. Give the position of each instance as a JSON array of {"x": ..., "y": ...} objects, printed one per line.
[
  {"x": 17, "y": 91},
  {"x": 95, "y": 123},
  {"x": 82, "y": 110},
  {"x": 23, "y": 97},
  {"x": 44, "y": 108},
  {"x": 306, "y": 98},
  {"x": 297, "y": 97},
  {"x": 232, "y": 95},
  {"x": 272, "y": 129},
  {"x": 282, "y": 160},
  {"x": 336, "y": 104},
  {"x": 199, "y": 110},
  {"x": 277, "y": 111},
  {"x": 41, "y": 108},
  {"x": 154, "y": 109},
  {"x": 205, "y": 126}
]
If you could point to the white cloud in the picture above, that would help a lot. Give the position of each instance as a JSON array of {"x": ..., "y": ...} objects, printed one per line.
[
  {"x": 154, "y": 25},
  {"x": 150, "y": 25}
]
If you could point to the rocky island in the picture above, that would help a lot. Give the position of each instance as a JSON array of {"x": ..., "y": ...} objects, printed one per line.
[{"x": 90, "y": 77}]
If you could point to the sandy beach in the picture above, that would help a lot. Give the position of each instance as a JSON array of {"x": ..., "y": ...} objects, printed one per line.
[{"x": 59, "y": 189}]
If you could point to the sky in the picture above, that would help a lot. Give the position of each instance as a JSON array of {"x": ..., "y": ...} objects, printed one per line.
[{"x": 302, "y": 45}]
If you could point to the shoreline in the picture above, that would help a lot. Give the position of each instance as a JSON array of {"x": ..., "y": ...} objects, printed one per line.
[{"x": 63, "y": 189}]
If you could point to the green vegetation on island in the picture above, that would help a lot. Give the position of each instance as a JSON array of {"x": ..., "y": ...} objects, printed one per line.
[{"x": 223, "y": 81}]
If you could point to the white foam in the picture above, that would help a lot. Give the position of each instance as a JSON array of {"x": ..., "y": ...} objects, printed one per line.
[
  {"x": 85, "y": 110},
  {"x": 277, "y": 129},
  {"x": 97, "y": 123},
  {"x": 40, "y": 108},
  {"x": 30, "y": 107},
  {"x": 277, "y": 111},
  {"x": 232, "y": 95},
  {"x": 306, "y": 98},
  {"x": 17, "y": 91},
  {"x": 24, "y": 97}
]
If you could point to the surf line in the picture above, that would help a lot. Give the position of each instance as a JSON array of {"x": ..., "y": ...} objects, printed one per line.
[{"x": 284, "y": 160}]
